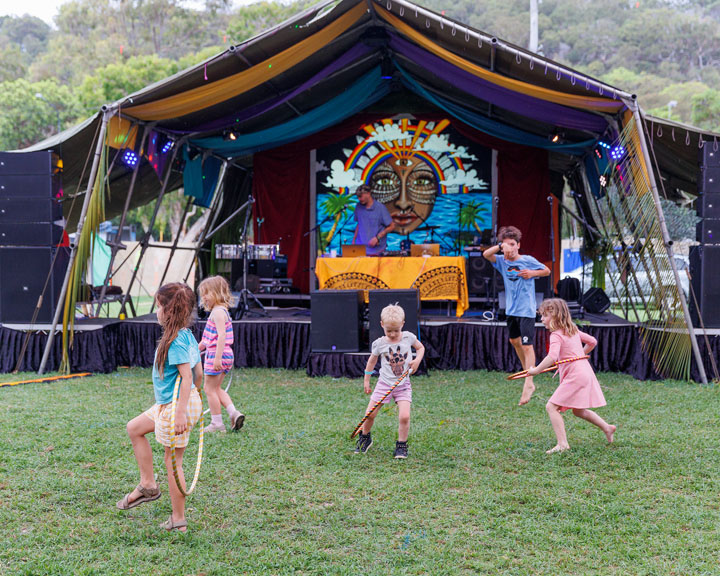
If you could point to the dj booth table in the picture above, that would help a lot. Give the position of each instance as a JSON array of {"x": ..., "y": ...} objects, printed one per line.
[{"x": 436, "y": 277}]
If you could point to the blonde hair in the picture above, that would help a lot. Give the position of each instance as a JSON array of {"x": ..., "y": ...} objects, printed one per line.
[
  {"x": 218, "y": 288},
  {"x": 392, "y": 313},
  {"x": 178, "y": 304},
  {"x": 560, "y": 318}
]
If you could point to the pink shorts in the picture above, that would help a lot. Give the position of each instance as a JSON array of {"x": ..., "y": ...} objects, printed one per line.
[{"x": 403, "y": 391}]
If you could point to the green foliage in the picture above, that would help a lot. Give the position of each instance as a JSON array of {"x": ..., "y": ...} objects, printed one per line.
[
  {"x": 286, "y": 495},
  {"x": 706, "y": 109}
]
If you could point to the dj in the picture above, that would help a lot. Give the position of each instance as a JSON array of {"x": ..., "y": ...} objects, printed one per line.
[{"x": 373, "y": 222}]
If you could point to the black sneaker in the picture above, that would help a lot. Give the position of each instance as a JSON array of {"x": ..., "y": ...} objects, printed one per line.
[
  {"x": 401, "y": 450},
  {"x": 364, "y": 442}
]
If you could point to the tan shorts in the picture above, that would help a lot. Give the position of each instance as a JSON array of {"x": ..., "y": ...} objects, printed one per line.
[{"x": 160, "y": 415}]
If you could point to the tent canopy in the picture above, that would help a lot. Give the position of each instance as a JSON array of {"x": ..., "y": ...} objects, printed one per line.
[{"x": 339, "y": 58}]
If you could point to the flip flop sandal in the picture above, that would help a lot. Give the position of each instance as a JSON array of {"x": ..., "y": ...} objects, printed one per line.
[
  {"x": 169, "y": 524},
  {"x": 147, "y": 495},
  {"x": 238, "y": 422}
]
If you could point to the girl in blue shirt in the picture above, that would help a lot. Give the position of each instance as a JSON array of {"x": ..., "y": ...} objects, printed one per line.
[{"x": 177, "y": 355}]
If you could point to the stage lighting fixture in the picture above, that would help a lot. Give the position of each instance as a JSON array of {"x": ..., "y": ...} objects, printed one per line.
[
  {"x": 129, "y": 158},
  {"x": 230, "y": 135},
  {"x": 617, "y": 153},
  {"x": 386, "y": 68},
  {"x": 603, "y": 181},
  {"x": 167, "y": 146},
  {"x": 604, "y": 145},
  {"x": 556, "y": 137}
]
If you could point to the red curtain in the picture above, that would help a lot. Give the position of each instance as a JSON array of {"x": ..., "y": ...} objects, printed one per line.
[{"x": 281, "y": 187}]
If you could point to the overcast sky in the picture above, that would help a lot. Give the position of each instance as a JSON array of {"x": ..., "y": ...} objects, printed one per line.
[{"x": 47, "y": 9}]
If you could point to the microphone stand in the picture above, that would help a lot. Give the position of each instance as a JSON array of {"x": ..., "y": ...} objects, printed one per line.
[
  {"x": 432, "y": 231},
  {"x": 246, "y": 295},
  {"x": 550, "y": 199},
  {"x": 495, "y": 296}
]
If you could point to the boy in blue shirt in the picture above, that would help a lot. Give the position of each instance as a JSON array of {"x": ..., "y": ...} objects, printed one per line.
[{"x": 519, "y": 273}]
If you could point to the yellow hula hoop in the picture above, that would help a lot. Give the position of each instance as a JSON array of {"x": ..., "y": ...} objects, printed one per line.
[{"x": 200, "y": 422}]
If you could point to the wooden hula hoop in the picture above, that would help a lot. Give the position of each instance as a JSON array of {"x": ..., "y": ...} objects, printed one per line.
[
  {"x": 200, "y": 422},
  {"x": 402, "y": 377},
  {"x": 524, "y": 373}
]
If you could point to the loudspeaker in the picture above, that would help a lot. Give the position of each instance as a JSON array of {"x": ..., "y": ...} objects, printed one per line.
[
  {"x": 29, "y": 210},
  {"x": 705, "y": 275},
  {"x": 708, "y": 206},
  {"x": 708, "y": 156},
  {"x": 336, "y": 320},
  {"x": 409, "y": 300},
  {"x": 30, "y": 234},
  {"x": 543, "y": 287},
  {"x": 23, "y": 272},
  {"x": 709, "y": 180},
  {"x": 276, "y": 268},
  {"x": 30, "y": 186},
  {"x": 708, "y": 231},
  {"x": 482, "y": 276},
  {"x": 595, "y": 301},
  {"x": 43, "y": 162}
]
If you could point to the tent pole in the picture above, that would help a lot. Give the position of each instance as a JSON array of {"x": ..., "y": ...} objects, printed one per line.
[
  {"x": 117, "y": 244},
  {"x": 174, "y": 246},
  {"x": 107, "y": 114},
  {"x": 212, "y": 217},
  {"x": 666, "y": 239},
  {"x": 146, "y": 238}
]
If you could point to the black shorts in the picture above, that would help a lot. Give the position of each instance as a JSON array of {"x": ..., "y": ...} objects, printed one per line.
[{"x": 523, "y": 328}]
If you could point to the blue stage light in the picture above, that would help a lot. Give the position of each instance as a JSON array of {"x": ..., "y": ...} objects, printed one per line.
[
  {"x": 604, "y": 145},
  {"x": 617, "y": 153},
  {"x": 130, "y": 159},
  {"x": 167, "y": 147}
]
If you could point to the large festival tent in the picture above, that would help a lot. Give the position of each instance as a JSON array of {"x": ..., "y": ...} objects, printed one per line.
[{"x": 246, "y": 120}]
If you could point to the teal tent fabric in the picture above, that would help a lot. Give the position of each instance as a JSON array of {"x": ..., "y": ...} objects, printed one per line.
[
  {"x": 200, "y": 177},
  {"x": 100, "y": 261},
  {"x": 367, "y": 90}
]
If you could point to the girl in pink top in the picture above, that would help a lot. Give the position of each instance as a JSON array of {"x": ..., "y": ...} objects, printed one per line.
[
  {"x": 217, "y": 341},
  {"x": 579, "y": 389}
]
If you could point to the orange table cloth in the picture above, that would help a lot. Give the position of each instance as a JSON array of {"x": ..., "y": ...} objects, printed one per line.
[{"x": 436, "y": 277}]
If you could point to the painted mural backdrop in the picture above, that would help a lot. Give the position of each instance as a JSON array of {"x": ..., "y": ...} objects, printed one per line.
[{"x": 434, "y": 183}]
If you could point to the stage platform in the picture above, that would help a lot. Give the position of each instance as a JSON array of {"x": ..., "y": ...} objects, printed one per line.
[{"x": 281, "y": 339}]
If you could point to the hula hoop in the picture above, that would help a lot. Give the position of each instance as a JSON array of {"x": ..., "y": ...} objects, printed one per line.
[
  {"x": 402, "y": 377},
  {"x": 524, "y": 373},
  {"x": 200, "y": 422}
]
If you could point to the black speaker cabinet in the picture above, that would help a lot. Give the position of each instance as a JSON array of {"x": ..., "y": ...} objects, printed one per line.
[
  {"x": 708, "y": 231},
  {"x": 483, "y": 280},
  {"x": 708, "y": 206},
  {"x": 42, "y": 162},
  {"x": 17, "y": 210},
  {"x": 276, "y": 268},
  {"x": 23, "y": 272},
  {"x": 595, "y": 301},
  {"x": 30, "y": 234},
  {"x": 705, "y": 274},
  {"x": 409, "y": 300},
  {"x": 708, "y": 156},
  {"x": 30, "y": 186},
  {"x": 336, "y": 320},
  {"x": 709, "y": 180}
]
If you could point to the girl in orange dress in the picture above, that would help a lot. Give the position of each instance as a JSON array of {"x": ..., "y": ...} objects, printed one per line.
[{"x": 579, "y": 389}]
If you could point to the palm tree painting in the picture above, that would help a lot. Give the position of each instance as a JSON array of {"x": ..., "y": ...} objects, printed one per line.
[
  {"x": 469, "y": 216},
  {"x": 335, "y": 206}
]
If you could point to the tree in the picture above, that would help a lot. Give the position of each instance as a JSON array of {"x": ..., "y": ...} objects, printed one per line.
[{"x": 706, "y": 110}]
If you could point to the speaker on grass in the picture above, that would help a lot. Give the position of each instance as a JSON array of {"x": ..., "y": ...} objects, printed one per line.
[
  {"x": 408, "y": 300},
  {"x": 336, "y": 324},
  {"x": 705, "y": 275},
  {"x": 23, "y": 271},
  {"x": 595, "y": 301}
]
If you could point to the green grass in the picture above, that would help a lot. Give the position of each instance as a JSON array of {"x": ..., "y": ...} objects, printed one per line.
[{"x": 478, "y": 495}]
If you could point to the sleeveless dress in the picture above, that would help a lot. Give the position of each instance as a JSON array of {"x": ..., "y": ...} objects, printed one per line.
[
  {"x": 209, "y": 338},
  {"x": 579, "y": 387}
]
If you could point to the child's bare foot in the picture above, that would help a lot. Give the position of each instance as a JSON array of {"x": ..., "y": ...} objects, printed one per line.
[
  {"x": 527, "y": 393},
  {"x": 557, "y": 448},
  {"x": 610, "y": 433}
]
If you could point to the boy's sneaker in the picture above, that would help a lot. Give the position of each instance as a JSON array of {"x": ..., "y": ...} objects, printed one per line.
[
  {"x": 237, "y": 422},
  {"x": 364, "y": 442},
  {"x": 214, "y": 428},
  {"x": 401, "y": 450}
]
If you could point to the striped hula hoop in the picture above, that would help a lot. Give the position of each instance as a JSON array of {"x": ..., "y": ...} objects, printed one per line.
[
  {"x": 402, "y": 377},
  {"x": 524, "y": 373},
  {"x": 200, "y": 422}
]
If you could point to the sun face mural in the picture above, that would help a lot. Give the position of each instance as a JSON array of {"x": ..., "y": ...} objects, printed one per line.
[{"x": 410, "y": 166}]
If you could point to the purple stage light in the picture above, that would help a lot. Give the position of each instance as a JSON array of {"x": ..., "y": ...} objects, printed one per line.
[{"x": 130, "y": 159}]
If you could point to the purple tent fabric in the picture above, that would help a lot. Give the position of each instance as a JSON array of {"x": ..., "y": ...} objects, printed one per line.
[
  {"x": 357, "y": 51},
  {"x": 498, "y": 96}
]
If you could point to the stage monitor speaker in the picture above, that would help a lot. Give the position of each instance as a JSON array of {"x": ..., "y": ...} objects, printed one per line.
[
  {"x": 708, "y": 206},
  {"x": 595, "y": 301},
  {"x": 705, "y": 274},
  {"x": 409, "y": 300},
  {"x": 16, "y": 210},
  {"x": 708, "y": 231},
  {"x": 336, "y": 320},
  {"x": 482, "y": 277},
  {"x": 23, "y": 272},
  {"x": 43, "y": 162},
  {"x": 708, "y": 181},
  {"x": 30, "y": 234}
]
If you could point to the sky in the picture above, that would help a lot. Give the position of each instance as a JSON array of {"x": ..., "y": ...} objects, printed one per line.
[{"x": 48, "y": 9}]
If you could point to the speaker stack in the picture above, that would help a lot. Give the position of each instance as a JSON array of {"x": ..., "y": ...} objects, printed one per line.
[
  {"x": 337, "y": 317},
  {"x": 705, "y": 258},
  {"x": 31, "y": 227},
  {"x": 483, "y": 280}
]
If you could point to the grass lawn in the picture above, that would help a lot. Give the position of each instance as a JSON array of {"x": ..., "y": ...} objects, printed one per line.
[{"x": 478, "y": 494}]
